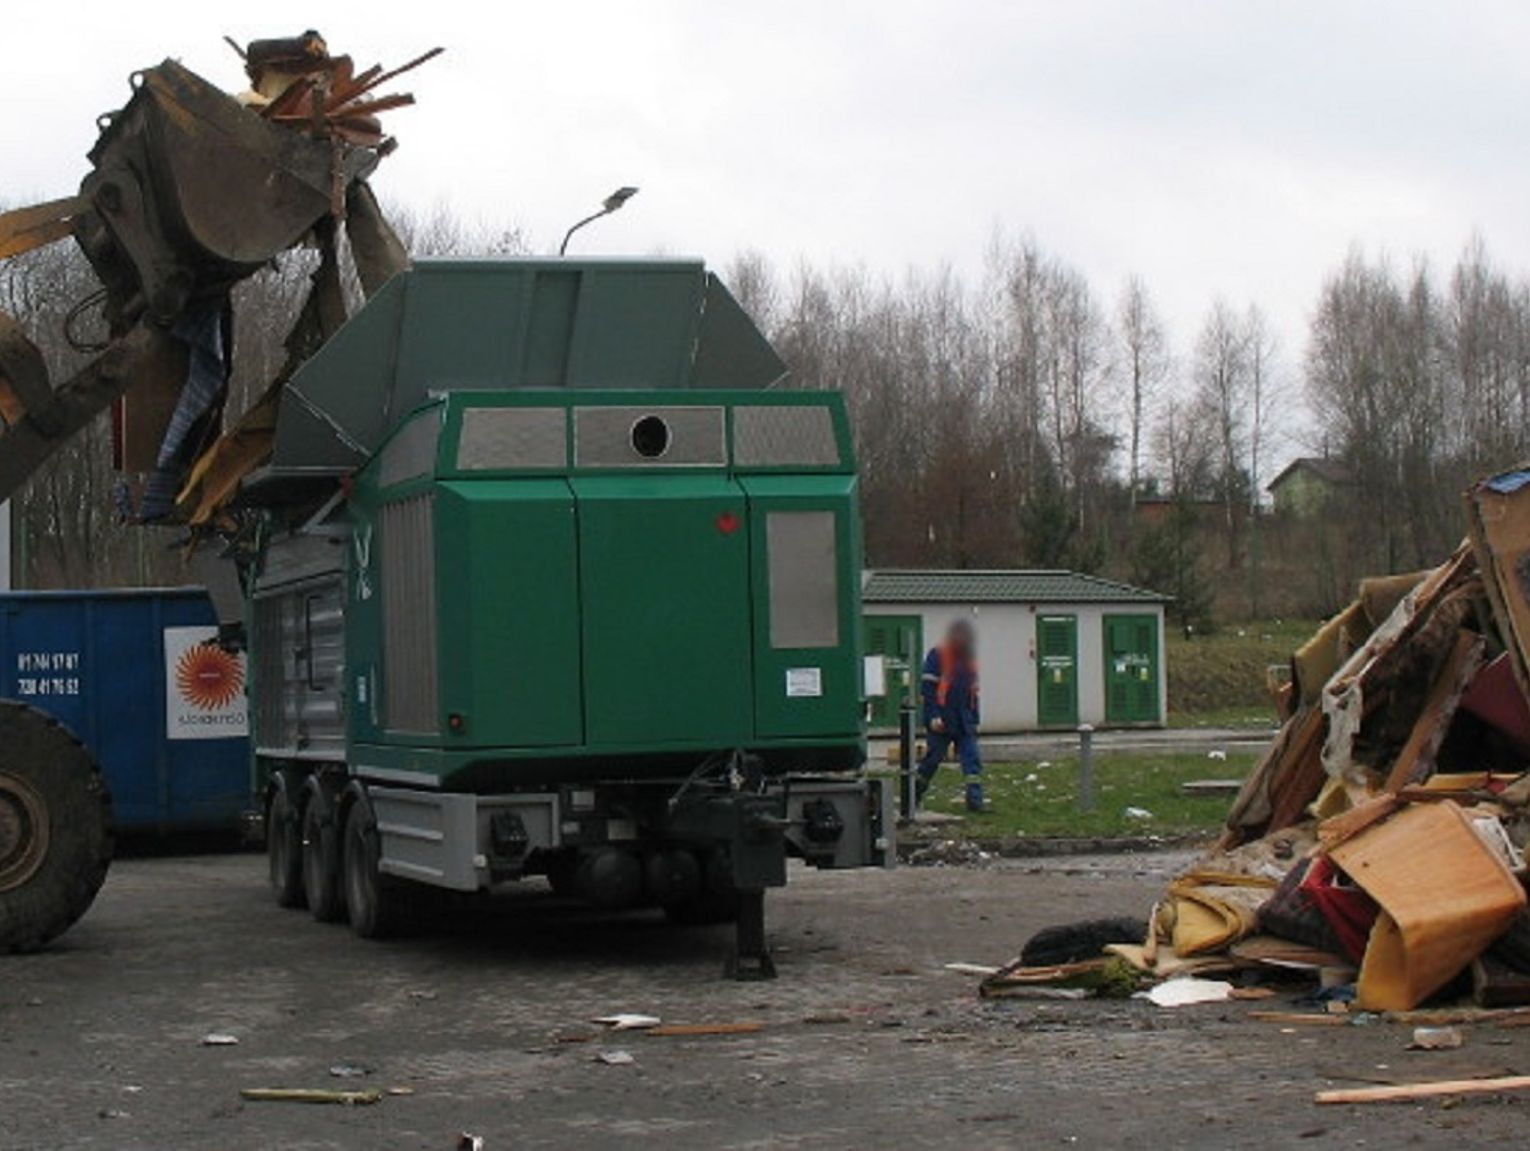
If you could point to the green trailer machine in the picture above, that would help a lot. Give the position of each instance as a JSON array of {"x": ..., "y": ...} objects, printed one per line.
[{"x": 550, "y": 580}]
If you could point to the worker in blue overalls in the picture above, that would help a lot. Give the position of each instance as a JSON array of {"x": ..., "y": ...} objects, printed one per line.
[{"x": 948, "y": 688}]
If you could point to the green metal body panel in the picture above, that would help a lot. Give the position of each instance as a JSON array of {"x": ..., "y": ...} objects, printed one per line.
[
  {"x": 664, "y": 584},
  {"x": 1057, "y": 670},
  {"x": 1131, "y": 668},
  {"x": 511, "y": 585},
  {"x": 607, "y": 616},
  {"x": 478, "y": 325},
  {"x": 784, "y": 708}
]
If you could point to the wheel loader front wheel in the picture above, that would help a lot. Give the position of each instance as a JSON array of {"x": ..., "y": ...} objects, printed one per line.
[{"x": 55, "y": 828}]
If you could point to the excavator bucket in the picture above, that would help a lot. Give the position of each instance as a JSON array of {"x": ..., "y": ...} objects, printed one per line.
[
  {"x": 167, "y": 168},
  {"x": 191, "y": 191}
]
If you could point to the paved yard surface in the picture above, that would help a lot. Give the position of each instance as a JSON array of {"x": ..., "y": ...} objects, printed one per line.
[{"x": 868, "y": 1044}]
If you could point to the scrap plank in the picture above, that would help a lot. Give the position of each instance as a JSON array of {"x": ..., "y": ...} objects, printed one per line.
[
  {"x": 1403, "y": 1092},
  {"x": 675, "y": 1030}
]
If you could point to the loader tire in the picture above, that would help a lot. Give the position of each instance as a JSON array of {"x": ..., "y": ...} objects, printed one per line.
[
  {"x": 1076, "y": 942},
  {"x": 56, "y": 830}
]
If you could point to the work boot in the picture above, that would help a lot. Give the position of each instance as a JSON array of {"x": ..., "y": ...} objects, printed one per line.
[{"x": 975, "y": 798}]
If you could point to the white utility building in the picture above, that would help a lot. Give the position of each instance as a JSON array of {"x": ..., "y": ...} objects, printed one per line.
[{"x": 1056, "y": 648}]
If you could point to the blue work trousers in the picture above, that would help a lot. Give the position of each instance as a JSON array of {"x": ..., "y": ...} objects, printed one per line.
[{"x": 967, "y": 752}]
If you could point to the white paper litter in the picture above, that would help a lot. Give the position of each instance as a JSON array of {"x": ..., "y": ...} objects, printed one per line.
[
  {"x": 217, "y": 1040},
  {"x": 615, "y": 1058},
  {"x": 628, "y": 1022},
  {"x": 972, "y": 968},
  {"x": 1436, "y": 1039},
  {"x": 1187, "y": 991}
]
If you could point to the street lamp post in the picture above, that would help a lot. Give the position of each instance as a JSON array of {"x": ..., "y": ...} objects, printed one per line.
[{"x": 611, "y": 203}]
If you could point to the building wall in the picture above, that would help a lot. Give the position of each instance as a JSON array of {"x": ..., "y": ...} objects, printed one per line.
[
  {"x": 1007, "y": 654},
  {"x": 1302, "y": 494}
]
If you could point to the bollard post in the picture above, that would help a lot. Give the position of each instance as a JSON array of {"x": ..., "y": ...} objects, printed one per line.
[
  {"x": 906, "y": 801},
  {"x": 1086, "y": 767}
]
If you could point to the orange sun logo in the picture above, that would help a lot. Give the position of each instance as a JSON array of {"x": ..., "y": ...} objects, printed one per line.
[{"x": 208, "y": 677}]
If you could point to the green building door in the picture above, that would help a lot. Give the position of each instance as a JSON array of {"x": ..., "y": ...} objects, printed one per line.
[
  {"x": 1131, "y": 669},
  {"x": 899, "y": 640},
  {"x": 1057, "y": 670}
]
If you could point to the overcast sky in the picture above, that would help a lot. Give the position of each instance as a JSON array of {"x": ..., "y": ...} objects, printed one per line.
[{"x": 1218, "y": 149}]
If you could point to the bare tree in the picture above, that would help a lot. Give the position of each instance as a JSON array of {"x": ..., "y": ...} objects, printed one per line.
[
  {"x": 1222, "y": 388},
  {"x": 1143, "y": 350}
]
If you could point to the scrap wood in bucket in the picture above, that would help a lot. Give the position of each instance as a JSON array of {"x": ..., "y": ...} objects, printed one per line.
[
  {"x": 1382, "y": 839},
  {"x": 296, "y": 82}
]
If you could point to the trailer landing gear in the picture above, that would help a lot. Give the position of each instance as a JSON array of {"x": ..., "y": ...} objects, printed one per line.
[{"x": 750, "y": 960}]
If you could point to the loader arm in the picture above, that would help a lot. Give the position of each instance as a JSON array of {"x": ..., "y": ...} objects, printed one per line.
[{"x": 190, "y": 192}]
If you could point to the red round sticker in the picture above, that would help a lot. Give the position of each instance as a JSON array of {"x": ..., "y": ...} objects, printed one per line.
[{"x": 727, "y": 523}]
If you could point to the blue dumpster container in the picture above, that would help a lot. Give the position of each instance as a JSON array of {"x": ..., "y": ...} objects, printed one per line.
[{"x": 132, "y": 674}]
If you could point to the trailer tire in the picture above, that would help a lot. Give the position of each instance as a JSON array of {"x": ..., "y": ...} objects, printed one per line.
[
  {"x": 716, "y": 902},
  {"x": 704, "y": 910},
  {"x": 284, "y": 842},
  {"x": 323, "y": 880},
  {"x": 377, "y": 903},
  {"x": 56, "y": 829}
]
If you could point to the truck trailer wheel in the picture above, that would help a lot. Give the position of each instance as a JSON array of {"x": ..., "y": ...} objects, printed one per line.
[
  {"x": 377, "y": 903},
  {"x": 284, "y": 842},
  {"x": 55, "y": 828},
  {"x": 322, "y": 879}
]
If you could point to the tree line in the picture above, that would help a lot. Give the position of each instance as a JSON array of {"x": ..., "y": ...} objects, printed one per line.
[{"x": 1022, "y": 417}]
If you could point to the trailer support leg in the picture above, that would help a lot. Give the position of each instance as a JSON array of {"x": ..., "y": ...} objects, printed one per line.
[{"x": 751, "y": 959}]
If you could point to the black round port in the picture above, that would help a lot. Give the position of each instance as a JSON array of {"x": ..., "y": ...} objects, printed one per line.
[{"x": 650, "y": 437}]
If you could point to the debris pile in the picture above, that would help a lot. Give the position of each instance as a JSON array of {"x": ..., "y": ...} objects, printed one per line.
[{"x": 1380, "y": 845}]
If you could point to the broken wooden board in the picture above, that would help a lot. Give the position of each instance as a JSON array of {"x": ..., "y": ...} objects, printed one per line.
[
  {"x": 1345, "y": 826},
  {"x": 1211, "y": 786},
  {"x": 694, "y": 1030},
  {"x": 1300, "y": 1018},
  {"x": 1385, "y": 682},
  {"x": 23, "y": 229},
  {"x": 306, "y": 1095},
  {"x": 1282, "y": 784},
  {"x": 1270, "y": 951},
  {"x": 1408, "y": 1092},
  {"x": 1444, "y": 894},
  {"x": 1415, "y": 762}
]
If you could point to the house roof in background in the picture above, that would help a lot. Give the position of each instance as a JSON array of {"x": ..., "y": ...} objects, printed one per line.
[
  {"x": 1002, "y": 586},
  {"x": 1330, "y": 470}
]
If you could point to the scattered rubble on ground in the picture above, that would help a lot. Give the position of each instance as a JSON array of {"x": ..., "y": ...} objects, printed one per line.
[
  {"x": 947, "y": 853},
  {"x": 1377, "y": 854}
]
